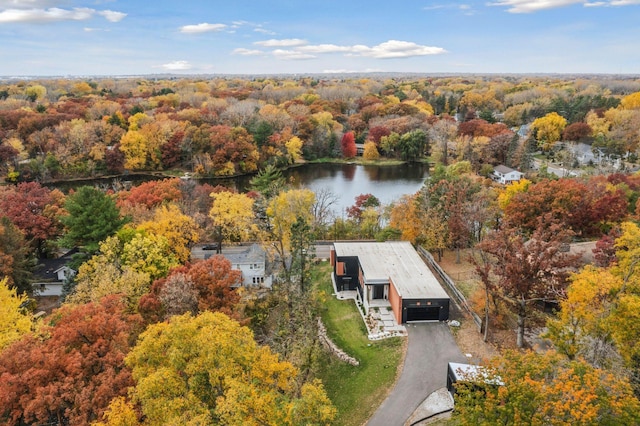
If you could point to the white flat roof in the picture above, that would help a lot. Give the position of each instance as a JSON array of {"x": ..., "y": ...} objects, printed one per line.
[
  {"x": 396, "y": 261},
  {"x": 474, "y": 373}
]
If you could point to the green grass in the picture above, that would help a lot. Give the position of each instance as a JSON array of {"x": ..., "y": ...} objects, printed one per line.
[
  {"x": 355, "y": 391},
  {"x": 358, "y": 160}
]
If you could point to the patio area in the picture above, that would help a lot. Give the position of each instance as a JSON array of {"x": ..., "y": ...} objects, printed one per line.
[{"x": 380, "y": 321}]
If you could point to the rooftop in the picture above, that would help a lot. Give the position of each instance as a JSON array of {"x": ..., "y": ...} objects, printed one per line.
[
  {"x": 254, "y": 254},
  {"x": 396, "y": 261}
]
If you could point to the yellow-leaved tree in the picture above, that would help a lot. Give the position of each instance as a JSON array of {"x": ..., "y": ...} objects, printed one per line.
[
  {"x": 14, "y": 322},
  {"x": 294, "y": 149},
  {"x": 631, "y": 101},
  {"x": 599, "y": 320},
  {"x": 127, "y": 264},
  {"x": 232, "y": 216},
  {"x": 370, "y": 151},
  {"x": 283, "y": 211},
  {"x": 505, "y": 196},
  {"x": 544, "y": 389},
  {"x": 180, "y": 230},
  {"x": 548, "y": 129},
  {"x": 208, "y": 369}
]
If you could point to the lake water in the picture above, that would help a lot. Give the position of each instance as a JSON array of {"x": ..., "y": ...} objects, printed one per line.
[{"x": 346, "y": 181}]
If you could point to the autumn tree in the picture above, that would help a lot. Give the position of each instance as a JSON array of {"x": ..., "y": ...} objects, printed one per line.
[
  {"x": 127, "y": 264},
  {"x": 548, "y": 129},
  {"x": 534, "y": 389},
  {"x": 362, "y": 202},
  {"x": 597, "y": 320},
  {"x": 232, "y": 216},
  {"x": 208, "y": 285},
  {"x": 16, "y": 261},
  {"x": 225, "y": 377},
  {"x": 69, "y": 375},
  {"x": 584, "y": 207},
  {"x": 283, "y": 211},
  {"x": 34, "y": 209},
  {"x": 180, "y": 230},
  {"x": 214, "y": 280},
  {"x": 152, "y": 193},
  {"x": 348, "y": 145},
  {"x": 370, "y": 151},
  {"x": 576, "y": 132},
  {"x": 92, "y": 216},
  {"x": 528, "y": 270},
  {"x": 15, "y": 320}
]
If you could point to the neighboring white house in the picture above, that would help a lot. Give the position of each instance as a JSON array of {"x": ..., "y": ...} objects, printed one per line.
[
  {"x": 505, "y": 175},
  {"x": 51, "y": 274},
  {"x": 253, "y": 265}
]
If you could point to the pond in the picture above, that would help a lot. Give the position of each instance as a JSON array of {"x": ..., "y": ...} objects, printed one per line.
[{"x": 345, "y": 181}]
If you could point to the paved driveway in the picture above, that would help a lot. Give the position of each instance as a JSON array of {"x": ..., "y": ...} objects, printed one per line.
[{"x": 431, "y": 347}]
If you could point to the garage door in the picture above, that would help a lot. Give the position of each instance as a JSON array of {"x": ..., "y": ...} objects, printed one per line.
[{"x": 430, "y": 313}]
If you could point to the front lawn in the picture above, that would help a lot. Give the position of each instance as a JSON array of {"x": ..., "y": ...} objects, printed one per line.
[{"x": 355, "y": 391}]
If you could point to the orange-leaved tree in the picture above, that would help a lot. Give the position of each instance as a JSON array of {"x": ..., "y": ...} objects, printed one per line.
[{"x": 70, "y": 374}]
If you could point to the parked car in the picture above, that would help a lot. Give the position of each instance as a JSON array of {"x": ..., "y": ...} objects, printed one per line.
[{"x": 213, "y": 246}]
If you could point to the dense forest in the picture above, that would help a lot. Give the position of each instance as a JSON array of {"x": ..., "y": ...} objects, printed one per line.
[
  {"x": 61, "y": 129},
  {"x": 147, "y": 335}
]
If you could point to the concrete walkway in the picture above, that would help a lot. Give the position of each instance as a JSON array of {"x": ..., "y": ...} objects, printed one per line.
[{"x": 431, "y": 346}]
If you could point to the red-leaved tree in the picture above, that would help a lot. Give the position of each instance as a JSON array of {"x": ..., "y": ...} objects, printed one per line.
[
  {"x": 348, "y": 145},
  {"x": 71, "y": 376}
]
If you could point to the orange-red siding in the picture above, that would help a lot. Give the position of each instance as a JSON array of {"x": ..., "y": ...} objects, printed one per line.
[
  {"x": 340, "y": 268},
  {"x": 396, "y": 302}
]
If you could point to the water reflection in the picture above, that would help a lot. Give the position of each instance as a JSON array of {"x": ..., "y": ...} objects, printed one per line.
[{"x": 346, "y": 181}]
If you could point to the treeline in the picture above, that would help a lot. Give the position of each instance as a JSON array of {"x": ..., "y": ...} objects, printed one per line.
[{"x": 57, "y": 129}]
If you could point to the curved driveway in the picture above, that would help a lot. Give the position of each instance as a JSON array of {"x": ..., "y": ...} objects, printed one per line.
[{"x": 431, "y": 346}]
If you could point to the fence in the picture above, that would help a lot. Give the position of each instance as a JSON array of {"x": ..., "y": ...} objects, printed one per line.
[{"x": 453, "y": 290}]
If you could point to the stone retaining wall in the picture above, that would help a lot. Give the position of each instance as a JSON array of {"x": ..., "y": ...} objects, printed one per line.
[{"x": 332, "y": 347}]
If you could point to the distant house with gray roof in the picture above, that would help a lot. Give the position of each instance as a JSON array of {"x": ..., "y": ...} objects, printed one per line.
[
  {"x": 252, "y": 262},
  {"x": 51, "y": 274},
  {"x": 505, "y": 175}
]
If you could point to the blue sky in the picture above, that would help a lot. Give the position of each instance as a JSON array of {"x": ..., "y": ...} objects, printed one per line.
[{"x": 112, "y": 37}]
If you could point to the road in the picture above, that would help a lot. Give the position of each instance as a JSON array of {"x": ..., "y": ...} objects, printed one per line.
[{"x": 431, "y": 347}]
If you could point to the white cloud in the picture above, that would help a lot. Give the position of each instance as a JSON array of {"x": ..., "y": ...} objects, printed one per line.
[
  {"x": 27, "y": 4},
  {"x": 288, "y": 42},
  {"x": 112, "y": 16},
  {"x": 177, "y": 66},
  {"x": 247, "y": 52},
  {"x": 291, "y": 54},
  {"x": 396, "y": 49},
  {"x": 528, "y": 6},
  {"x": 325, "y": 48},
  {"x": 202, "y": 28},
  {"x": 387, "y": 50},
  {"x": 56, "y": 14}
]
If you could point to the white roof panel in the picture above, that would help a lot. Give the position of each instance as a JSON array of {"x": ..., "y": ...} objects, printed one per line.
[{"x": 396, "y": 261}]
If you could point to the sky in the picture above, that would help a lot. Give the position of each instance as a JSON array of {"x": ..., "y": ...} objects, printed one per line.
[{"x": 192, "y": 37}]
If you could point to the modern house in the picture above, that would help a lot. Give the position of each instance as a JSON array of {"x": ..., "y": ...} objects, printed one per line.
[
  {"x": 505, "y": 175},
  {"x": 390, "y": 275},
  {"x": 253, "y": 264},
  {"x": 51, "y": 274}
]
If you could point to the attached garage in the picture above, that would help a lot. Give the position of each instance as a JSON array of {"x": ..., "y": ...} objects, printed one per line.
[{"x": 425, "y": 310}]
